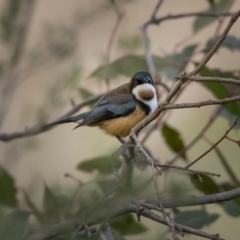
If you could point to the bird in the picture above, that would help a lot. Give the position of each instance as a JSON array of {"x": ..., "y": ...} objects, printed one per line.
[{"x": 118, "y": 111}]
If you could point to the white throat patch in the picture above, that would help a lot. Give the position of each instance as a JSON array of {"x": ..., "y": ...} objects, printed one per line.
[{"x": 152, "y": 103}]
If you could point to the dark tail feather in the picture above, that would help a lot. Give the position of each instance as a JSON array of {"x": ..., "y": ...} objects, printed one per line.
[{"x": 66, "y": 120}]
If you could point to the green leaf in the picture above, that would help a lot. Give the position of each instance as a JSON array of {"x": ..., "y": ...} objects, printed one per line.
[
  {"x": 103, "y": 164},
  {"x": 108, "y": 184},
  {"x": 126, "y": 224},
  {"x": 201, "y": 22},
  {"x": 178, "y": 60},
  {"x": 195, "y": 218},
  {"x": 207, "y": 186},
  {"x": 228, "y": 187},
  {"x": 8, "y": 190},
  {"x": 232, "y": 208},
  {"x": 32, "y": 206},
  {"x": 173, "y": 139},
  {"x": 126, "y": 65},
  {"x": 130, "y": 43},
  {"x": 219, "y": 90},
  {"x": 49, "y": 201},
  {"x": 211, "y": 3},
  {"x": 85, "y": 93},
  {"x": 15, "y": 226},
  {"x": 230, "y": 42}
]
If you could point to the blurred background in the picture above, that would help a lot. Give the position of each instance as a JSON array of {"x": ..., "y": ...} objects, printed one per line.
[{"x": 57, "y": 53}]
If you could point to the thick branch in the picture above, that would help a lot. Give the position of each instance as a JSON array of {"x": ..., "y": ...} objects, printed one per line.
[{"x": 72, "y": 225}]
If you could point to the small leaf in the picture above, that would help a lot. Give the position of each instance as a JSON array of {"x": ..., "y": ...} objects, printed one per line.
[
  {"x": 173, "y": 139},
  {"x": 8, "y": 190},
  {"x": 195, "y": 218},
  {"x": 15, "y": 226},
  {"x": 229, "y": 187},
  {"x": 178, "y": 60},
  {"x": 32, "y": 206},
  {"x": 127, "y": 66},
  {"x": 85, "y": 93},
  {"x": 49, "y": 201},
  {"x": 211, "y": 3},
  {"x": 201, "y": 22},
  {"x": 232, "y": 208},
  {"x": 230, "y": 42},
  {"x": 106, "y": 185},
  {"x": 103, "y": 164},
  {"x": 219, "y": 90},
  {"x": 130, "y": 43},
  {"x": 207, "y": 186},
  {"x": 126, "y": 224}
]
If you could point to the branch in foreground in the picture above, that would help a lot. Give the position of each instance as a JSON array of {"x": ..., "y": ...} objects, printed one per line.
[
  {"x": 5, "y": 137},
  {"x": 181, "y": 228},
  {"x": 71, "y": 225}
]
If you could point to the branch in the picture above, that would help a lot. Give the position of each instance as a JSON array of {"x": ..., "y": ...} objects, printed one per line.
[
  {"x": 181, "y": 228},
  {"x": 197, "y": 137},
  {"x": 5, "y": 137},
  {"x": 148, "y": 56},
  {"x": 191, "y": 14},
  {"x": 209, "y": 79},
  {"x": 71, "y": 225},
  {"x": 200, "y": 104},
  {"x": 208, "y": 56},
  {"x": 214, "y": 145},
  {"x": 186, "y": 169},
  {"x": 107, "y": 233}
]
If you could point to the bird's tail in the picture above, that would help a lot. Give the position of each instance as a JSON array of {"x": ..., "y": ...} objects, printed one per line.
[{"x": 62, "y": 121}]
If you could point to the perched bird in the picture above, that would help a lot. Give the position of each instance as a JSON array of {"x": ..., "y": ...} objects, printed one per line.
[{"x": 118, "y": 111}]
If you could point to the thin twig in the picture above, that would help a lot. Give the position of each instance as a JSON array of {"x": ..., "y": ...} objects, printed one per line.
[
  {"x": 120, "y": 15},
  {"x": 214, "y": 145},
  {"x": 191, "y": 14},
  {"x": 5, "y": 137},
  {"x": 201, "y": 104},
  {"x": 198, "y": 136},
  {"x": 186, "y": 169},
  {"x": 210, "y": 79}
]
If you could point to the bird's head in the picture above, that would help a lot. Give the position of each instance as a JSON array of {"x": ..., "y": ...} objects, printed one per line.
[{"x": 142, "y": 88}]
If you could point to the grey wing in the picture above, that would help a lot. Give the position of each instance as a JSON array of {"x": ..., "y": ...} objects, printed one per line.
[{"x": 110, "y": 108}]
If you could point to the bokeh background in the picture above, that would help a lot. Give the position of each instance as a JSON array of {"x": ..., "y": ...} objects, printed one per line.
[{"x": 63, "y": 44}]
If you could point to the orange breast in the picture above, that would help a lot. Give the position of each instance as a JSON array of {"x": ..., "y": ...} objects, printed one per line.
[{"x": 122, "y": 126}]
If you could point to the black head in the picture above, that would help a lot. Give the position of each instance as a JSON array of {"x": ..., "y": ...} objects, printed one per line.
[{"x": 141, "y": 78}]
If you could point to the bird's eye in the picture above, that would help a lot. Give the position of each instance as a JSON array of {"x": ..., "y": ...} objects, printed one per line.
[
  {"x": 147, "y": 80},
  {"x": 139, "y": 82}
]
